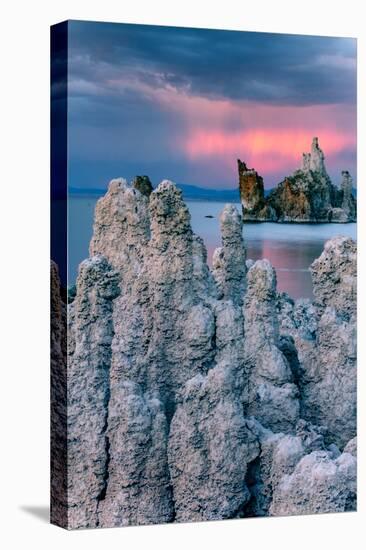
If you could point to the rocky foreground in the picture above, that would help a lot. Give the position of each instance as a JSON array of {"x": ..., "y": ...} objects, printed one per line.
[
  {"x": 196, "y": 394},
  {"x": 307, "y": 196}
]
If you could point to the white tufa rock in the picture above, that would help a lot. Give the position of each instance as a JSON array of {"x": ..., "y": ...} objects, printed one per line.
[{"x": 196, "y": 395}]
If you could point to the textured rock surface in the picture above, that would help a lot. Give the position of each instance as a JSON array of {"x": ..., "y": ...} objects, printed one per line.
[
  {"x": 182, "y": 331},
  {"x": 346, "y": 206},
  {"x": 279, "y": 455},
  {"x": 163, "y": 320},
  {"x": 138, "y": 490},
  {"x": 307, "y": 196},
  {"x": 58, "y": 342},
  {"x": 121, "y": 228},
  {"x": 318, "y": 483},
  {"x": 330, "y": 392},
  {"x": 229, "y": 261},
  {"x": 254, "y": 205},
  {"x": 334, "y": 276},
  {"x": 271, "y": 396},
  {"x": 88, "y": 389},
  {"x": 351, "y": 447},
  {"x": 324, "y": 341},
  {"x": 197, "y": 394},
  {"x": 210, "y": 445},
  {"x": 143, "y": 184}
]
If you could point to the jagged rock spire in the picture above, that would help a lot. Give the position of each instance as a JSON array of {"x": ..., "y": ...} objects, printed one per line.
[
  {"x": 229, "y": 267},
  {"x": 251, "y": 188},
  {"x": 314, "y": 160},
  {"x": 317, "y": 157},
  {"x": 272, "y": 395}
]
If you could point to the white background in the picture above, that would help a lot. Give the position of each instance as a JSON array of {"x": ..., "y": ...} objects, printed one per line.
[{"x": 24, "y": 233}]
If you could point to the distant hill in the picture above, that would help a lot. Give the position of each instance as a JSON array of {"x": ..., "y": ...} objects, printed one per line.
[{"x": 190, "y": 192}]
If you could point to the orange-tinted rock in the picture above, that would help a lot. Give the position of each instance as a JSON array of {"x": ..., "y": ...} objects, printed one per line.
[
  {"x": 307, "y": 196},
  {"x": 252, "y": 194}
]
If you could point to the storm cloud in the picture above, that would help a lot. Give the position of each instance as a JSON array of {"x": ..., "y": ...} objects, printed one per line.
[{"x": 184, "y": 103}]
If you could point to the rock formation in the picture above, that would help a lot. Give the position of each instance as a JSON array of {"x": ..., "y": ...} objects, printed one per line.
[
  {"x": 321, "y": 341},
  {"x": 210, "y": 446},
  {"x": 346, "y": 206},
  {"x": 272, "y": 397},
  {"x": 307, "y": 196},
  {"x": 254, "y": 205},
  {"x": 90, "y": 336},
  {"x": 58, "y": 333},
  {"x": 279, "y": 455},
  {"x": 143, "y": 184},
  {"x": 197, "y": 394},
  {"x": 138, "y": 489},
  {"x": 229, "y": 261},
  {"x": 318, "y": 483}
]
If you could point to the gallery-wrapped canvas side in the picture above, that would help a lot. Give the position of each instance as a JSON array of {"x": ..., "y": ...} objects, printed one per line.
[{"x": 58, "y": 342}]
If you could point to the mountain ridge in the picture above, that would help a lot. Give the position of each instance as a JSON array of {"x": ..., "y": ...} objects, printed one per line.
[{"x": 190, "y": 192}]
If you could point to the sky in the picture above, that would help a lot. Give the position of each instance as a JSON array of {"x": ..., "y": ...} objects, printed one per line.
[{"x": 183, "y": 104}]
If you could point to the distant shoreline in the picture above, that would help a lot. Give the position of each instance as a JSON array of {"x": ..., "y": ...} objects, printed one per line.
[
  {"x": 190, "y": 193},
  {"x": 188, "y": 199}
]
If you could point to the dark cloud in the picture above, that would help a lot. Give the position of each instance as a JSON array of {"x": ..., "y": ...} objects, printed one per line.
[
  {"x": 119, "y": 126},
  {"x": 280, "y": 69}
]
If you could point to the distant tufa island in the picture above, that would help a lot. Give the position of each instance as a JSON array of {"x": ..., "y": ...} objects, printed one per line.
[{"x": 307, "y": 196}]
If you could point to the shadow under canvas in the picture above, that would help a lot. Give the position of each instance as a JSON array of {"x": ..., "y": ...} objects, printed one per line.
[{"x": 40, "y": 512}]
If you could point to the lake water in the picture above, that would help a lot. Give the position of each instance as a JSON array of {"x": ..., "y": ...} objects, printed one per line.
[{"x": 290, "y": 248}]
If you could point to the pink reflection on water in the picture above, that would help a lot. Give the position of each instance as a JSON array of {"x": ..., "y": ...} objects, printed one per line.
[{"x": 291, "y": 261}]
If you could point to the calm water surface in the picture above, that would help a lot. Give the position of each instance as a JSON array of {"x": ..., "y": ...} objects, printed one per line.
[{"x": 290, "y": 248}]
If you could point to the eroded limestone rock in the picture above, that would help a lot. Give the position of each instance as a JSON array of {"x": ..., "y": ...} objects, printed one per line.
[
  {"x": 210, "y": 445},
  {"x": 138, "y": 486},
  {"x": 121, "y": 228},
  {"x": 279, "y": 455},
  {"x": 318, "y": 484},
  {"x": 334, "y": 276},
  {"x": 196, "y": 395},
  {"x": 323, "y": 336},
  {"x": 58, "y": 335},
  {"x": 229, "y": 261},
  {"x": 254, "y": 204},
  {"x": 88, "y": 389},
  {"x": 271, "y": 395},
  {"x": 163, "y": 319}
]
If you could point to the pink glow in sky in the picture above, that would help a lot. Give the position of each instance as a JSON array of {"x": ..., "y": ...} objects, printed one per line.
[
  {"x": 184, "y": 103},
  {"x": 265, "y": 149},
  {"x": 269, "y": 138}
]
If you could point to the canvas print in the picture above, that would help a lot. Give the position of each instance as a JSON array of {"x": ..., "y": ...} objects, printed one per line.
[{"x": 203, "y": 274}]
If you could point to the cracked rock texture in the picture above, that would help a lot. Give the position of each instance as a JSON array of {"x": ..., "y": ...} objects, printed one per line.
[
  {"x": 210, "y": 445},
  {"x": 229, "y": 261},
  {"x": 197, "y": 394},
  {"x": 58, "y": 342},
  {"x": 318, "y": 483},
  {"x": 88, "y": 389},
  {"x": 271, "y": 395},
  {"x": 279, "y": 455},
  {"x": 323, "y": 341},
  {"x": 138, "y": 489}
]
